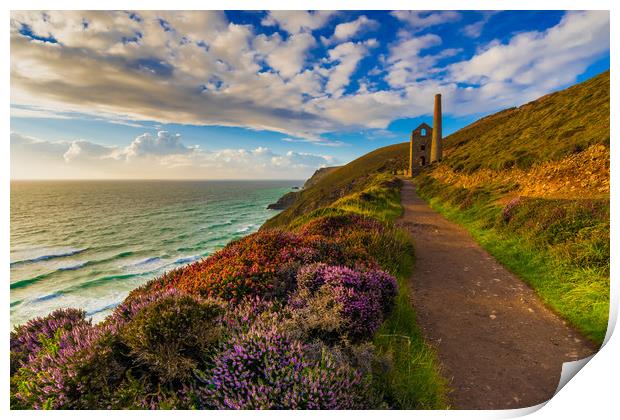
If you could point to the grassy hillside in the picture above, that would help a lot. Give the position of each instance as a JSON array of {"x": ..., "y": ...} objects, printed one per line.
[
  {"x": 532, "y": 186},
  {"x": 344, "y": 180},
  {"x": 548, "y": 128},
  {"x": 318, "y": 174}
]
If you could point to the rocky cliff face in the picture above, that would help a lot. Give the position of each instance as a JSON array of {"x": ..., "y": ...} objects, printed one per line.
[
  {"x": 284, "y": 202},
  {"x": 289, "y": 198}
]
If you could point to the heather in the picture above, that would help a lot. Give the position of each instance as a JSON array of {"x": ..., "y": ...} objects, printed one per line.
[
  {"x": 361, "y": 297},
  {"x": 183, "y": 351},
  {"x": 266, "y": 369},
  {"x": 406, "y": 371},
  {"x": 28, "y": 339},
  {"x": 286, "y": 318},
  {"x": 262, "y": 264}
]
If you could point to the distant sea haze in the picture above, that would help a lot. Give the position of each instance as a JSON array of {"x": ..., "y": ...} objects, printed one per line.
[{"x": 86, "y": 244}]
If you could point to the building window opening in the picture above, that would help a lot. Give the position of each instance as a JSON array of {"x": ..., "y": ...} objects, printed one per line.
[
  {"x": 422, "y": 161},
  {"x": 423, "y": 132},
  {"x": 423, "y": 147}
]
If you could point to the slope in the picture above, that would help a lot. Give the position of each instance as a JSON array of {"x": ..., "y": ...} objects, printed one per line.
[{"x": 342, "y": 181}]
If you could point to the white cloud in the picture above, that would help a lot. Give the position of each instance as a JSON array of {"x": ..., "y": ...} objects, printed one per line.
[
  {"x": 295, "y": 21},
  {"x": 83, "y": 149},
  {"x": 287, "y": 57},
  {"x": 474, "y": 30},
  {"x": 164, "y": 144},
  {"x": 407, "y": 65},
  {"x": 317, "y": 141},
  {"x": 199, "y": 68},
  {"x": 533, "y": 63},
  {"x": 148, "y": 157},
  {"x": 345, "y": 58},
  {"x": 420, "y": 19},
  {"x": 348, "y": 30}
]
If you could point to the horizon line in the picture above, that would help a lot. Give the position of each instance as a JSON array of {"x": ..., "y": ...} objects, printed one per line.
[{"x": 155, "y": 179}]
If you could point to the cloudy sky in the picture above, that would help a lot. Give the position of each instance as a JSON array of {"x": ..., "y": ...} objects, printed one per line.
[{"x": 245, "y": 95}]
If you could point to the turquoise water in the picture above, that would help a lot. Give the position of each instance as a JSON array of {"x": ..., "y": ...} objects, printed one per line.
[{"x": 86, "y": 244}]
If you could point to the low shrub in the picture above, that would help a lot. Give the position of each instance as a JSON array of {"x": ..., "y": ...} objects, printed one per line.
[
  {"x": 136, "y": 300},
  {"x": 265, "y": 369},
  {"x": 337, "y": 226},
  {"x": 80, "y": 371},
  {"x": 172, "y": 336},
  {"x": 260, "y": 264},
  {"x": 363, "y": 298},
  {"x": 40, "y": 333}
]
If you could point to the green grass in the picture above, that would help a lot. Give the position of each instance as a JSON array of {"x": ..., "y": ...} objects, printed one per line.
[
  {"x": 413, "y": 380},
  {"x": 559, "y": 247}
]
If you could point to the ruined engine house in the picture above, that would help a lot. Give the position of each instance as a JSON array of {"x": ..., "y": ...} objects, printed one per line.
[{"x": 425, "y": 143}]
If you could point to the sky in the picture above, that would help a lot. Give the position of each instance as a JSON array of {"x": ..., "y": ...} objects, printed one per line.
[{"x": 270, "y": 95}]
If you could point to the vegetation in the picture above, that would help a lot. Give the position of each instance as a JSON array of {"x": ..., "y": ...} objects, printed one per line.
[
  {"x": 560, "y": 247},
  {"x": 548, "y": 219}
]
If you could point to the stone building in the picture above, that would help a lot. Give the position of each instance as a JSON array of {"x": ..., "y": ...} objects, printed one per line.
[
  {"x": 425, "y": 143},
  {"x": 420, "y": 148}
]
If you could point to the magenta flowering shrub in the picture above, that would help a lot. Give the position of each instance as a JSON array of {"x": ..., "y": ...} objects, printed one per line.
[
  {"x": 251, "y": 312},
  {"x": 137, "y": 300},
  {"x": 74, "y": 372},
  {"x": 364, "y": 298},
  {"x": 256, "y": 370},
  {"x": 265, "y": 369},
  {"x": 28, "y": 339}
]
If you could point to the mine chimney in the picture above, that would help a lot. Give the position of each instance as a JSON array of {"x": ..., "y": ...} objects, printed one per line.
[
  {"x": 436, "y": 152},
  {"x": 410, "y": 173}
]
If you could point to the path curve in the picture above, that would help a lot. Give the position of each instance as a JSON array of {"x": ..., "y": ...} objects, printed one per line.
[{"x": 498, "y": 345}]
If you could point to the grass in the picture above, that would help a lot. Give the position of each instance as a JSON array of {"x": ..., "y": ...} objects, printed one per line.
[
  {"x": 413, "y": 380},
  {"x": 559, "y": 247}
]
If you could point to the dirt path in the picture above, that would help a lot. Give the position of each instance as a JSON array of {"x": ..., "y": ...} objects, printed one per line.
[{"x": 497, "y": 343}]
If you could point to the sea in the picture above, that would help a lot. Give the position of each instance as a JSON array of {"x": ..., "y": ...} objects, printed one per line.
[{"x": 86, "y": 244}]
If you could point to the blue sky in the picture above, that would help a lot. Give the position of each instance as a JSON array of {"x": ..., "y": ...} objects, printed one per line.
[{"x": 270, "y": 94}]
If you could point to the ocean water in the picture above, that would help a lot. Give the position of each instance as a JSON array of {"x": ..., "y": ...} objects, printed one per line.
[{"x": 86, "y": 244}]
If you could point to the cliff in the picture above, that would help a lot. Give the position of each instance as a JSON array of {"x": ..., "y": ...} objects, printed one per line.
[{"x": 284, "y": 202}]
